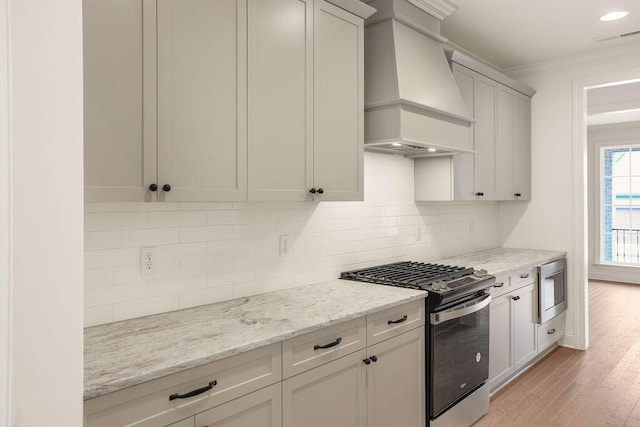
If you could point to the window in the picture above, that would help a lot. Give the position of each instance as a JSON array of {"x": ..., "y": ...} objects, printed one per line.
[{"x": 620, "y": 204}]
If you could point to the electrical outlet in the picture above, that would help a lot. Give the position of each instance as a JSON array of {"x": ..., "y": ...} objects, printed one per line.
[
  {"x": 147, "y": 261},
  {"x": 418, "y": 233},
  {"x": 285, "y": 245}
]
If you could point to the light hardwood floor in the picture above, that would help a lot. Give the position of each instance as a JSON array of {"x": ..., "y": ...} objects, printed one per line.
[{"x": 597, "y": 387}]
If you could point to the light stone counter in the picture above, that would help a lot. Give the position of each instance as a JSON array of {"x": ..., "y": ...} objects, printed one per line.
[
  {"x": 127, "y": 353},
  {"x": 503, "y": 260}
]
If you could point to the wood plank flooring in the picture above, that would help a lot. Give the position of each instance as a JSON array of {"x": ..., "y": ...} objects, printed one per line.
[{"x": 597, "y": 387}]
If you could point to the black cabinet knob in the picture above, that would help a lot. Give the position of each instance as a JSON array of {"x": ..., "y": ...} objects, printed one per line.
[
  {"x": 320, "y": 191},
  {"x": 153, "y": 187},
  {"x": 166, "y": 188},
  {"x": 366, "y": 361},
  {"x": 374, "y": 358},
  {"x": 516, "y": 298},
  {"x": 518, "y": 194},
  {"x": 480, "y": 194},
  {"x": 312, "y": 191}
]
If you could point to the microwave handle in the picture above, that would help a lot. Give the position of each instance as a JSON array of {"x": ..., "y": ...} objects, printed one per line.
[{"x": 470, "y": 307}]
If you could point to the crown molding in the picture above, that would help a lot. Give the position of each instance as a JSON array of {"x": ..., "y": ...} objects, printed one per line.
[
  {"x": 438, "y": 8},
  {"x": 598, "y": 57}
]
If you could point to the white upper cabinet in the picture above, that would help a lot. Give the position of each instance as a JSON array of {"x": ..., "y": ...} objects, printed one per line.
[
  {"x": 305, "y": 101},
  {"x": 338, "y": 103},
  {"x": 113, "y": 100},
  {"x": 500, "y": 169},
  {"x": 280, "y": 99},
  {"x": 201, "y": 99},
  {"x": 223, "y": 100}
]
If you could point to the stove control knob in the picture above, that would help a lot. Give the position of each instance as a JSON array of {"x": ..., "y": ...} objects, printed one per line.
[
  {"x": 480, "y": 273},
  {"x": 440, "y": 285}
]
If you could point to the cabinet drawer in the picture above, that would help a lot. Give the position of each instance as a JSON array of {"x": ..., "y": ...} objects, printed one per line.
[
  {"x": 394, "y": 321},
  {"x": 501, "y": 286},
  {"x": 523, "y": 276},
  {"x": 550, "y": 332},
  {"x": 149, "y": 404},
  {"x": 307, "y": 351}
]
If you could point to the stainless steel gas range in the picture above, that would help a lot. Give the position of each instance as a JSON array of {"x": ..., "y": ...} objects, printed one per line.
[{"x": 457, "y": 334}]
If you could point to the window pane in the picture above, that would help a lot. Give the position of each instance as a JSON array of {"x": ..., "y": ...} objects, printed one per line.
[
  {"x": 621, "y": 217},
  {"x": 635, "y": 191},
  {"x": 635, "y": 161},
  {"x": 620, "y": 162},
  {"x": 620, "y": 188}
]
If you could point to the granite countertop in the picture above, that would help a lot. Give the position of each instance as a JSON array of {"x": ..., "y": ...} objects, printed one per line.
[
  {"x": 124, "y": 354},
  {"x": 503, "y": 260}
]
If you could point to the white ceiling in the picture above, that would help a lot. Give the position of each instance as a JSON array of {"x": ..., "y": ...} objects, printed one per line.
[{"x": 513, "y": 33}]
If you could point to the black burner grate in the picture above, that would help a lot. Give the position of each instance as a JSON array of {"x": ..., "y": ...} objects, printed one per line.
[{"x": 407, "y": 274}]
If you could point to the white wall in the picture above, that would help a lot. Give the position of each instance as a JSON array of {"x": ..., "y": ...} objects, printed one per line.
[
  {"x": 554, "y": 219},
  {"x": 46, "y": 213},
  {"x": 210, "y": 252}
]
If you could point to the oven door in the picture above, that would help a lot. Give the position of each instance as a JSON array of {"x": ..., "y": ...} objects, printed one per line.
[{"x": 459, "y": 351}]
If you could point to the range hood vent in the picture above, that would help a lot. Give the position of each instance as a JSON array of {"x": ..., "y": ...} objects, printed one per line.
[{"x": 412, "y": 103}]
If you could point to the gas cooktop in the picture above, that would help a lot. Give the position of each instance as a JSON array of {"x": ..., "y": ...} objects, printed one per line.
[{"x": 444, "y": 282}]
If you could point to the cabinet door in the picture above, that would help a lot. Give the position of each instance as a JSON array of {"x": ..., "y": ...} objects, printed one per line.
[
  {"x": 280, "y": 99},
  {"x": 504, "y": 145},
  {"x": 396, "y": 381},
  {"x": 521, "y": 147},
  {"x": 500, "y": 356},
  {"x": 202, "y": 97},
  {"x": 524, "y": 326},
  {"x": 115, "y": 140},
  {"x": 329, "y": 395},
  {"x": 338, "y": 103},
  {"x": 485, "y": 132},
  {"x": 464, "y": 167},
  {"x": 187, "y": 422},
  {"x": 262, "y": 408}
]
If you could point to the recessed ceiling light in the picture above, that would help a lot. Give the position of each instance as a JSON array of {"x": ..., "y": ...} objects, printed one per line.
[
  {"x": 612, "y": 16},
  {"x": 396, "y": 144},
  {"x": 433, "y": 150}
]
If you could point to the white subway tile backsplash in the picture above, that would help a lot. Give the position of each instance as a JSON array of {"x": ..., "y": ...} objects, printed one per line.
[
  {"x": 115, "y": 221},
  {"x": 114, "y": 294},
  {"x": 205, "y": 234},
  {"x": 98, "y": 277},
  {"x": 145, "y": 307},
  {"x": 111, "y": 257},
  {"x": 205, "y": 296},
  {"x": 98, "y": 240},
  {"x": 177, "y": 219},
  {"x": 209, "y": 252},
  {"x": 145, "y": 207}
]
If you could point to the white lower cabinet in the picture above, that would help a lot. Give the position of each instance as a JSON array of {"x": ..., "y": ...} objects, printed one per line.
[
  {"x": 332, "y": 394},
  {"x": 513, "y": 333},
  {"x": 382, "y": 385},
  {"x": 396, "y": 381},
  {"x": 366, "y": 372},
  {"x": 262, "y": 408}
]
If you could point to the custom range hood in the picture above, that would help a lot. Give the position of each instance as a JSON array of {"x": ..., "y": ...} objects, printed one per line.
[{"x": 412, "y": 104}]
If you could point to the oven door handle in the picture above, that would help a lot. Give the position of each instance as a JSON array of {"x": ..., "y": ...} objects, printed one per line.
[{"x": 468, "y": 308}]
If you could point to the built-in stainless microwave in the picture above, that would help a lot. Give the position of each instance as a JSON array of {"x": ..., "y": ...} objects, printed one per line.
[{"x": 552, "y": 289}]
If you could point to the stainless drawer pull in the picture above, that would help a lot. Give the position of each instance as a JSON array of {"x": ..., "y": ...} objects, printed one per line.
[
  {"x": 551, "y": 331},
  {"x": 524, "y": 276},
  {"x": 498, "y": 285},
  {"x": 194, "y": 392},
  {"x": 331, "y": 344},
  {"x": 402, "y": 319}
]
